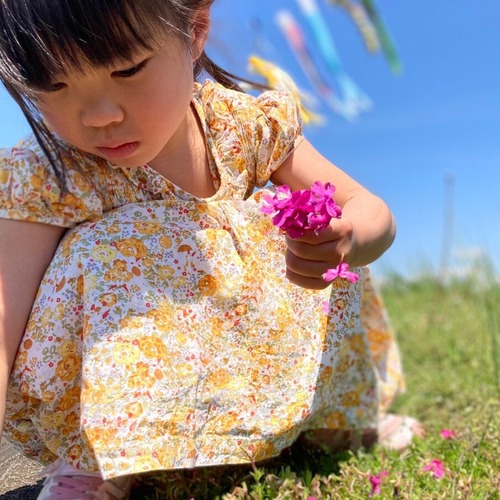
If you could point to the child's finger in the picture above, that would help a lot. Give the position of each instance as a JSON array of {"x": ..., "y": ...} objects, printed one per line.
[
  {"x": 306, "y": 267},
  {"x": 321, "y": 251},
  {"x": 328, "y": 234},
  {"x": 306, "y": 281}
]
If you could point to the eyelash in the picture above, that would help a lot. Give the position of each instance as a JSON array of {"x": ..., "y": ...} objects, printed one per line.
[
  {"x": 126, "y": 73},
  {"x": 55, "y": 87}
]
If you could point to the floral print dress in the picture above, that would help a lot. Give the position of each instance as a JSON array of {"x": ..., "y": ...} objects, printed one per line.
[{"x": 165, "y": 333}]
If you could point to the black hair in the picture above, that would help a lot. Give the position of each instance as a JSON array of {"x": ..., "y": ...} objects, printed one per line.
[{"x": 40, "y": 38}]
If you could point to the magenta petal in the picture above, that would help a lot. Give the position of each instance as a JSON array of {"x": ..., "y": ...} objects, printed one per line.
[
  {"x": 320, "y": 190},
  {"x": 295, "y": 232},
  {"x": 318, "y": 222},
  {"x": 283, "y": 191},
  {"x": 267, "y": 209},
  {"x": 375, "y": 482},
  {"x": 330, "y": 275},
  {"x": 352, "y": 277},
  {"x": 436, "y": 468},
  {"x": 341, "y": 271},
  {"x": 448, "y": 434},
  {"x": 279, "y": 219},
  {"x": 332, "y": 209}
]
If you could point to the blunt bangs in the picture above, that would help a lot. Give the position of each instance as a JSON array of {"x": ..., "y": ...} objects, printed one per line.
[{"x": 41, "y": 39}]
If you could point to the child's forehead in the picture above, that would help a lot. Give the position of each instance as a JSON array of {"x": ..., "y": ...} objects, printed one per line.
[{"x": 38, "y": 60}]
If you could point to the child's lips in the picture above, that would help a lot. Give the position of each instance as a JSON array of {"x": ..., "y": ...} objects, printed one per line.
[{"x": 118, "y": 151}]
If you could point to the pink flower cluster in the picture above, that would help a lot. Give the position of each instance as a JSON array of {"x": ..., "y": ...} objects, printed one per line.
[
  {"x": 375, "y": 482},
  {"x": 341, "y": 271},
  {"x": 304, "y": 210},
  {"x": 448, "y": 434},
  {"x": 435, "y": 468},
  {"x": 307, "y": 210}
]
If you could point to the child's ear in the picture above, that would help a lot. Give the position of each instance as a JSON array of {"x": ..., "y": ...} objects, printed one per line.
[{"x": 199, "y": 31}]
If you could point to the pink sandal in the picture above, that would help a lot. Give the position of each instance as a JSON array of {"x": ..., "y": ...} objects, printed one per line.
[
  {"x": 65, "y": 482},
  {"x": 396, "y": 432}
]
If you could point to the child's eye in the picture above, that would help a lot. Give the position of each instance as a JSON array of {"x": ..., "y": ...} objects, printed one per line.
[
  {"x": 54, "y": 87},
  {"x": 126, "y": 73}
]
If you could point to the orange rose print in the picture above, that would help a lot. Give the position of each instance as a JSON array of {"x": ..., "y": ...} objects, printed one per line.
[
  {"x": 75, "y": 452},
  {"x": 72, "y": 420},
  {"x": 140, "y": 377},
  {"x": 208, "y": 285},
  {"x": 68, "y": 367},
  {"x": 219, "y": 378},
  {"x": 336, "y": 420},
  {"x": 125, "y": 353},
  {"x": 165, "y": 242},
  {"x": 357, "y": 343},
  {"x": 132, "y": 322},
  {"x": 119, "y": 272},
  {"x": 67, "y": 347},
  {"x": 147, "y": 227},
  {"x": 108, "y": 299},
  {"x": 134, "y": 409},
  {"x": 162, "y": 317},
  {"x": 261, "y": 450},
  {"x": 54, "y": 420},
  {"x": 79, "y": 284},
  {"x": 132, "y": 247},
  {"x": 152, "y": 347},
  {"x": 70, "y": 399},
  {"x": 326, "y": 374},
  {"x": 379, "y": 337},
  {"x": 4, "y": 176},
  {"x": 350, "y": 399}
]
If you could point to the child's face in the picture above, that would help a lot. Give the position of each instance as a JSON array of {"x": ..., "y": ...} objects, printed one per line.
[{"x": 129, "y": 113}]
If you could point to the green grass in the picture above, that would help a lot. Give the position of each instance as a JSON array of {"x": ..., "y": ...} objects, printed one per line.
[{"x": 449, "y": 338}]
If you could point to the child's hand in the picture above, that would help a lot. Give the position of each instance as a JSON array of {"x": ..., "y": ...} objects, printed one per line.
[{"x": 311, "y": 255}]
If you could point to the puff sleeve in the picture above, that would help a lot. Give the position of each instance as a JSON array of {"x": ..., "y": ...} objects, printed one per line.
[
  {"x": 278, "y": 132},
  {"x": 30, "y": 191}
]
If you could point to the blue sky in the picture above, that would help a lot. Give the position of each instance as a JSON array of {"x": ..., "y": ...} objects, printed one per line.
[{"x": 439, "y": 118}]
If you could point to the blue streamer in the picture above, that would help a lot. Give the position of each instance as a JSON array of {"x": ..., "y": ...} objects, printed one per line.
[{"x": 354, "y": 99}]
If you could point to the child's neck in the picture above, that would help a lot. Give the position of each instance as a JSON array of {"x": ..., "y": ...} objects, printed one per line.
[{"x": 185, "y": 163}]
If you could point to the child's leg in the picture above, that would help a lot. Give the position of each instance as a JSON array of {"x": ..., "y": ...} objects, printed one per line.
[
  {"x": 373, "y": 345},
  {"x": 337, "y": 440},
  {"x": 394, "y": 432}
]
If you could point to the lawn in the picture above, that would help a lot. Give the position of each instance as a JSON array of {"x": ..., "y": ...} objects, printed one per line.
[{"x": 450, "y": 341}]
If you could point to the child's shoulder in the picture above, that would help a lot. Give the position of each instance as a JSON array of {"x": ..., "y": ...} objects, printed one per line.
[
  {"x": 220, "y": 102},
  {"x": 264, "y": 128},
  {"x": 30, "y": 189}
]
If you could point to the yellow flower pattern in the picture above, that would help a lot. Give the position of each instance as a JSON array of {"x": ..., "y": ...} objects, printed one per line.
[{"x": 165, "y": 333}]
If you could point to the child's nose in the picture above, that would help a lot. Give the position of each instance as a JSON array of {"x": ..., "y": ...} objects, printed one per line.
[{"x": 101, "y": 113}]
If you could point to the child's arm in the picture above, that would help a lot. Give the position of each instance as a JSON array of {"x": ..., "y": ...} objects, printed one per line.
[
  {"x": 363, "y": 233},
  {"x": 26, "y": 250}
]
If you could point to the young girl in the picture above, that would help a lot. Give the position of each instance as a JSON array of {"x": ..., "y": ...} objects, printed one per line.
[{"x": 172, "y": 326}]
